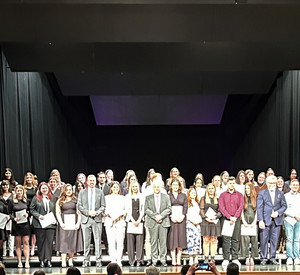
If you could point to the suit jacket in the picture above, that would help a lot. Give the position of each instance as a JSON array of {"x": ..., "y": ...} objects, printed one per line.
[
  {"x": 265, "y": 206},
  {"x": 83, "y": 205},
  {"x": 150, "y": 210},
  {"x": 105, "y": 189},
  {"x": 37, "y": 209}
]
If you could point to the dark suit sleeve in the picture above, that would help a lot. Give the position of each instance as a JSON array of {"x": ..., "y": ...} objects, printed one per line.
[
  {"x": 283, "y": 207},
  {"x": 260, "y": 206},
  {"x": 166, "y": 212},
  {"x": 102, "y": 204},
  {"x": 81, "y": 208},
  {"x": 148, "y": 210},
  {"x": 33, "y": 208}
]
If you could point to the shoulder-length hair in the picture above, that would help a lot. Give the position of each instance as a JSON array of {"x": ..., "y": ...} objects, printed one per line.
[
  {"x": 237, "y": 179},
  {"x": 190, "y": 204},
  {"x": 130, "y": 188},
  {"x": 253, "y": 196},
  {"x": 24, "y": 197},
  {"x": 12, "y": 178},
  {"x": 148, "y": 179},
  {"x": 246, "y": 173},
  {"x": 1, "y": 187},
  {"x": 207, "y": 198},
  {"x": 78, "y": 177},
  {"x": 127, "y": 175},
  {"x": 39, "y": 195},
  {"x": 180, "y": 185},
  {"x": 63, "y": 197},
  {"x": 34, "y": 183},
  {"x": 111, "y": 186}
]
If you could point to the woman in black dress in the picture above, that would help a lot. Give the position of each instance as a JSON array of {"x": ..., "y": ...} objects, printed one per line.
[
  {"x": 20, "y": 224},
  {"x": 177, "y": 234},
  {"x": 68, "y": 241},
  {"x": 30, "y": 186},
  {"x": 41, "y": 205},
  {"x": 5, "y": 197},
  {"x": 210, "y": 226}
]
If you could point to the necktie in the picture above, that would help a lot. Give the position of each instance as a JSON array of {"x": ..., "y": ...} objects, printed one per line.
[
  {"x": 91, "y": 199},
  {"x": 157, "y": 204}
]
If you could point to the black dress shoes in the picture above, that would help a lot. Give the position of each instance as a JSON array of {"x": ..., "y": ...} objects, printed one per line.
[{"x": 42, "y": 264}]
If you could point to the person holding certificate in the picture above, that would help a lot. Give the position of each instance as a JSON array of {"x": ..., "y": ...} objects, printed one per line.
[
  {"x": 44, "y": 223},
  {"x": 193, "y": 229},
  {"x": 210, "y": 226},
  {"x": 115, "y": 222},
  {"x": 17, "y": 208},
  {"x": 248, "y": 227},
  {"x": 135, "y": 233},
  {"x": 5, "y": 234},
  {"x": 177, "y": 234},
  {"x": 231, "y": 205},
  {"x": 69, "y": 223}
]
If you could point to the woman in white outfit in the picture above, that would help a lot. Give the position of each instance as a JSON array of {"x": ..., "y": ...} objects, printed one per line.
[{"x": 115, "y": 222}]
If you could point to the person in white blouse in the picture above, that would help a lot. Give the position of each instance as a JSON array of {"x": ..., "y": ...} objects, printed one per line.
[
  {"x": 193, "y": 229},
  {"x": 115, "y": 222}
]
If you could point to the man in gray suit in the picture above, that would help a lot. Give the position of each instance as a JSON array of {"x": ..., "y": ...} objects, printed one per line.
[
  {"x": 91, "y": 204},
  {"x": 157, "y": 210}
]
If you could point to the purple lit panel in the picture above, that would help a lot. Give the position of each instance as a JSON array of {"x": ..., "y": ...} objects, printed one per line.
[{"x": 158, "y": 109}]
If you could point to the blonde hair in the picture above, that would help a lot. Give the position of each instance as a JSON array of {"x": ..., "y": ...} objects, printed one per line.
[
  {"x": 24, "y": 198},
  {"x": 207, "y": 198}
]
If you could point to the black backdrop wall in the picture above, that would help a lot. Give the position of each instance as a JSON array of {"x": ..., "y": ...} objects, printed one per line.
[
  {"x": 41, "y": 130},
  {"x": 273, "y": 140},
  {"x": 35, "y": 135}
]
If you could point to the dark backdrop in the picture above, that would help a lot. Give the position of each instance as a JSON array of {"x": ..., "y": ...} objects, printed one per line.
[{"x": 41, "y": 130}]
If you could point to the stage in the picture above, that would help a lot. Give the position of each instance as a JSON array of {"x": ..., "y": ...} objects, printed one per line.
[{"x": 11, "y": 263}]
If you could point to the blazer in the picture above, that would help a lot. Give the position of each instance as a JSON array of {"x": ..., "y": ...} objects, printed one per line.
[
  {"x": 265, "y": 206},
  {"x": 37, "y": 209},
  {"x": 150, "y": 210},
  {"x": 83, "y": 205}
]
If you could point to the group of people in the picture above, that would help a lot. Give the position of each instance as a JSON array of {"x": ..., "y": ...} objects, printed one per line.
[{"x": 151, "y": 218}]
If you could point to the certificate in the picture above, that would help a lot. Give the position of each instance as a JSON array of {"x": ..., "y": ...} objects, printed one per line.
[
  {"x": 248, "y": 231},
  {"x": 48, "y": 220},
  {"x": 20, "y": 214},
  {"x": 227, "y": 229},
  {"x": 132, "y": 229},
  {"x": 3, "y": 220},
  {"x": 177, "y": 212},
  {"x": 211, "y": 214},
  {"x": 69, "y": 221}
]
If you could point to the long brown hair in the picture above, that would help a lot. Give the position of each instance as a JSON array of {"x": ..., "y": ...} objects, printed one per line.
[
  {"x": 63, "y": 197},
  {"x": 253, "y": 196},
  {"x": 190, "y": 204}
]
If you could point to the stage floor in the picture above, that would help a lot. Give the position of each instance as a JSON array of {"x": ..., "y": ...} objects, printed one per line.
[{"x": 11, "y": 263}]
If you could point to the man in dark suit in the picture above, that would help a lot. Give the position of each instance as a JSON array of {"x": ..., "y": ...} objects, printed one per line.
[
  {"x": 91, "y": 204},
  {"x": 102, "y": 185},
  {"x": 157, "y": 210},
  {"x": 271, "y": 205}
]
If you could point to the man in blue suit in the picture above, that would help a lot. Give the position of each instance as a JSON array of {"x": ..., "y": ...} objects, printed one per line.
[{"x": 271, "y": 205}]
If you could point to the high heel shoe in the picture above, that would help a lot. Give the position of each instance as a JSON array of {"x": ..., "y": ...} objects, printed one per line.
[
  {"x": 27, "y": 265},
  {"x": 20, "y": 265}
]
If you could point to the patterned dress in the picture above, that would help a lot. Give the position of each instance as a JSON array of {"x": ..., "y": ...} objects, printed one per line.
[{"x": 193, "y": 229}]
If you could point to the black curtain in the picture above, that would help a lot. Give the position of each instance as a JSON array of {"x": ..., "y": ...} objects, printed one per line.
[
  {"x": 35, "y": 135},
  {"x": 273, "y": 140}
]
